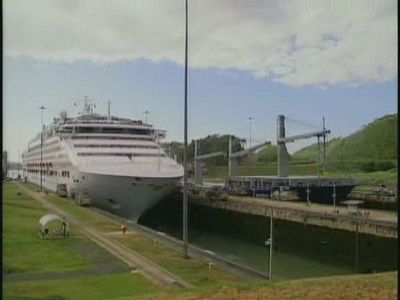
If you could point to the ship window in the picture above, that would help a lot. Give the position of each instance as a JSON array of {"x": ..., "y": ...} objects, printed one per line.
[
  {"x": 84, "y": 130},
  {"x": 110, "y": 137},
  {"x": 122, "y": 130},
  {"x": 122, "y": 154},
  {"x": 114, "y": 146}
]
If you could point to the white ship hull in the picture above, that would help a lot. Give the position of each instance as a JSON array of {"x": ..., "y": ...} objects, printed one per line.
[
  {"x": 113, "y": 163},
  {"x": 126, "y": 196}
]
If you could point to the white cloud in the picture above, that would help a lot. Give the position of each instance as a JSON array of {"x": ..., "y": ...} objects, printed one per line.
[{"x": 322, "y": 42}]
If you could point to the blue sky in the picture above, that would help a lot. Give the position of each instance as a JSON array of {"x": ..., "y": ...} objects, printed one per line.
[{"x": 303, "y": 61}]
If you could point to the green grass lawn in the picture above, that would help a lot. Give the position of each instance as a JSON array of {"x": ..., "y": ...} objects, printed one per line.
[
  {"x": 360, "y": 286},
  {"x": 112, "y": 286},
  {"x": 26, "y": 255},
  {"x": 194, "y": 271},
  {"x": 24, "y": 251}
]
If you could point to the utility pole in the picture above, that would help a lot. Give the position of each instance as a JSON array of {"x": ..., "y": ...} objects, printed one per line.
[
  {"x": 41, "y": 147},
  {"x": 334, "y": 195},
  {"x": 269, "y": 243},
  {"x": 319, "y": 157},
  {"x": 324, "y": 139},
  {"x": 146, "y": 112},
  {"x": 109, "y": 110},
  {"x": 356, "y": 249},
  {"x": 185, "y": 200},
  {"x": 250, "y": 119}
]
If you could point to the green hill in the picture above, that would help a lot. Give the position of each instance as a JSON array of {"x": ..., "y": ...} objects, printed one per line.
[{"x": 374, "y": 143}]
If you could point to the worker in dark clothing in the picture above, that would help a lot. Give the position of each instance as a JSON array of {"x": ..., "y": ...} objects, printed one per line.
[{"x": 64, "y": 229}]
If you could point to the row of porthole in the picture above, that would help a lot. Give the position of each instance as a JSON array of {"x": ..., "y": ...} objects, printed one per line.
[{"x": 49, "y": 173}]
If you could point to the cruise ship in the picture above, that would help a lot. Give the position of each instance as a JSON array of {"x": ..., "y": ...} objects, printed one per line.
[{"x": 113, "y": 163}]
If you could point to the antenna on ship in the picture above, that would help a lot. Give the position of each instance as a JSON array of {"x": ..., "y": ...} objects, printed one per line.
[
  {"x": 109, "y": 110},
  {"x": 146, "y": 112},
  {"x": 88, "y": 106}
]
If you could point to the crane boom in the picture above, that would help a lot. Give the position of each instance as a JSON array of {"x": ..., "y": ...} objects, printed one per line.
[
  {"x": 210, "y": 155},
  {"x": 247, "y": 151},
  {"x": 303, "y": 136}
]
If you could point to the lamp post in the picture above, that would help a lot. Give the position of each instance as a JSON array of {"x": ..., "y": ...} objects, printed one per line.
[
  {"x": 41, "y": 146},
  {"x": 269, "y": 243},
  {"x": 250, "y": 119},
  {"x": 334, "y": 195},
  {"x": 185, "y": 200}
]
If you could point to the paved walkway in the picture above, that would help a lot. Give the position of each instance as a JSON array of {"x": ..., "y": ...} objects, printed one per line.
[
  {"x": 151, "y": 271},
  {"x": 374, "y": 214}
]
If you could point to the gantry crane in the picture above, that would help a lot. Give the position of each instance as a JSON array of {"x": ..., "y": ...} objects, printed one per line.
[
  {"x": 235, "y": 157},
  {"x": 198, "y": 159},
  {"x": 283, "y": 156}
]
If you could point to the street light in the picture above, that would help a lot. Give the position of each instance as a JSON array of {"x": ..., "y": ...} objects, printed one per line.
[
  {"x": 41, "y": 146},
  {"x": 185, "y": 200},
  {"x": 269, "y": 243},
  {"x": 250, "y": 119}
]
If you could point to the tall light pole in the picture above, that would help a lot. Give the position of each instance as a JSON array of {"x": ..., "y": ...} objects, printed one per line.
[
  {"x": 269, "y": 243},
  {"x": 146, "y": 112},
  {"x": 41, "y": 146},
  {"x": 250, "y": 119},
  {"x": 185, "y": 200}
]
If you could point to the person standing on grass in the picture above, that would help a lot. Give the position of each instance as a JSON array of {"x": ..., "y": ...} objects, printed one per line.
[
  {"x": 64, "y": 228},
  {"x": 123, "y": 229}
]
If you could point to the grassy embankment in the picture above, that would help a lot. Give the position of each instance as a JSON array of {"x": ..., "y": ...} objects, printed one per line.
[
  {"x": 366, "y": 287},
  {"x": 25, "y": 253},
  {"x": 63, "y": 268}
]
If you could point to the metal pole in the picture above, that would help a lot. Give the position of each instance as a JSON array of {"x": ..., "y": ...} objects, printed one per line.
[
  {"x": 41, "y": 146},
  {"x": 109, "y": 110},
  {"x": 250, "y": 118},
  {"x": 229, "y": 157},
  {"x": 319, "y": 158},
  {"x": 356, "y": 250},
  {"x": 308, "y": 191},
  {"x": 185, "y": 200},
  {"x": 334, "y": 194},
  {"x": 145, "y": 118},
  {"x": 271, "y": 224},
  {"x": 324, "y": 140}
]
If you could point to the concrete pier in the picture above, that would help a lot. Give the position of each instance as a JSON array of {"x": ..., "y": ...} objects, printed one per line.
[{"x": 375, "y": 222}]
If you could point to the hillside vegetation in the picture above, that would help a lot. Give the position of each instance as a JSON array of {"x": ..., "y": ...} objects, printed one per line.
[
  {"x": 369, "y": 155},
  {"x": 376, "y": 141}
]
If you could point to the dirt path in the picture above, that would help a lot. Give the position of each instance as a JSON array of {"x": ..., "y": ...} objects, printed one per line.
[{"x": 148, "y": 269}]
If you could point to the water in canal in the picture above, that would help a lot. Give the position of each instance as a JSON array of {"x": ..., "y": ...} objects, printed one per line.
[{"x": 300, "y": 250}]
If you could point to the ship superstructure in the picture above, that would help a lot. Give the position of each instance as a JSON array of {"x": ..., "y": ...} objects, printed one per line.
[{"x": 115, "y": 163}]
